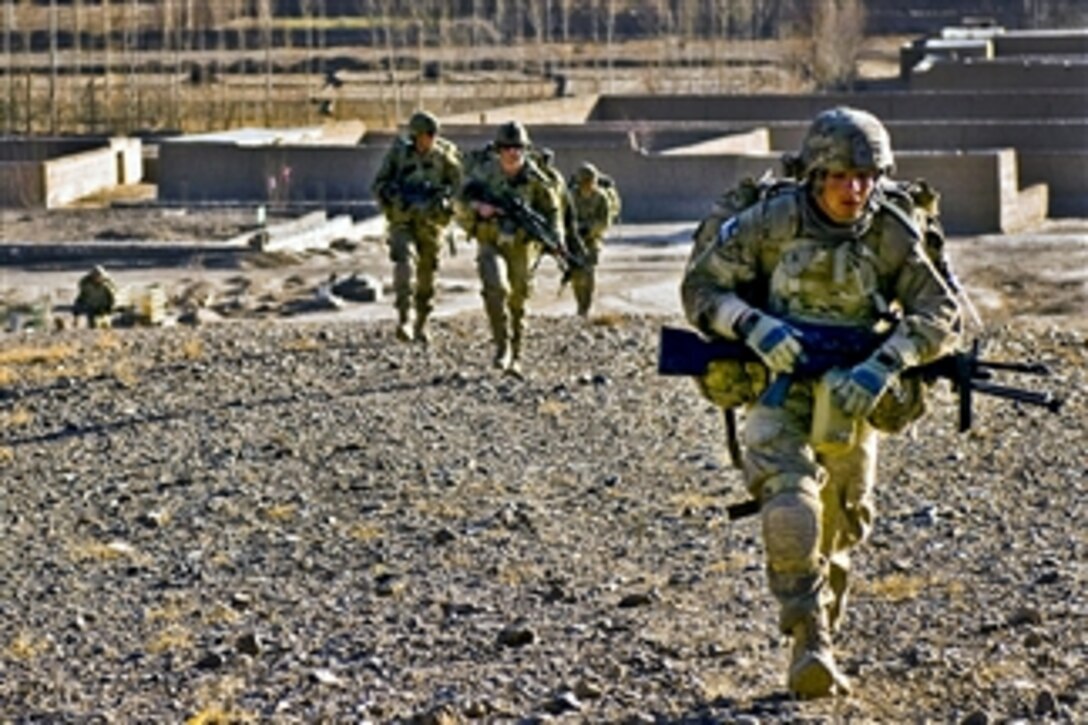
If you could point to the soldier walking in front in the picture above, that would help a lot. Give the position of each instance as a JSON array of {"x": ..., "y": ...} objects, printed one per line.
[
  {"x": 500, "y": 193},
  {"x": 594, "y": 212},
  {"x": 828, "y": 250},
  {"x": 415, "y": 186}
]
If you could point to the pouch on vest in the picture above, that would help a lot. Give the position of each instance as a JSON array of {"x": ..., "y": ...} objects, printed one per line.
[
  {"x": 833, "y": 431},
  {"x": 901, "y": 404},
  {"x": 732, "y": 383}
]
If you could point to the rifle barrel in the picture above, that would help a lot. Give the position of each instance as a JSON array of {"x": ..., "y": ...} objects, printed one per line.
[
  {"x": 1014, "y": 367},
  {"x": 1043, "y": 399}
]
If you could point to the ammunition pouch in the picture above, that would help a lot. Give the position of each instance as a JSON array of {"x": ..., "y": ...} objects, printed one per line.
[
  {"x": 732, "y": 383},
  {"x": 901, "y": 404}
]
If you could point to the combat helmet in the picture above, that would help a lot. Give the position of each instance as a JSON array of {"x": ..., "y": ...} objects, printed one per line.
[
  {"x": 586, "y": 172},
  {"x": 511, "y": 133},
  {"x": 846, "y": 138},
  {"x": 422, "y": 124}
]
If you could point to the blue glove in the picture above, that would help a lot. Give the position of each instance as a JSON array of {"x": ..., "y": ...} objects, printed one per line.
[
  {"x": 857, "y": 392},
  {"x": 773, "y": 340}
]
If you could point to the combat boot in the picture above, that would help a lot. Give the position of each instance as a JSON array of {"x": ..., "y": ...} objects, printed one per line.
[
  {"x": 404, "y": 328},
  {"x": 513, "y": 366},
  {"x": 419, "y": 331},
  {"x": 502, "y": 358},
  {"x": 813, "y": 672}
]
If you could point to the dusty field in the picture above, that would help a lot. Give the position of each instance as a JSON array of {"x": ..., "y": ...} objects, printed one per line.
[{"x": 305, "y": 522}]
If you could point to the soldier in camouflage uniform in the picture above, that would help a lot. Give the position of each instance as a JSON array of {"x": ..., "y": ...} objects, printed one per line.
[
  {"x": 594, "y": 212},
  {"x": 415, "y": 186},
  {"x": 829, "y": 249},
  {"x": 545, "y": 160},
  {"x": 97, "y": 298},
  {"x": 506, "y": 254}
]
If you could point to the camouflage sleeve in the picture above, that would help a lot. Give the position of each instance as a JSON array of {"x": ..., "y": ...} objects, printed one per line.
[
  {"x": 931, "y": 323},
  {"x": 724, "y": 258},
  {"x": 386, "y": 176},
  {"x": 599, "y": 215},
  {"x": 546, "y": 201},
  {"x": 453, "y": 173}
]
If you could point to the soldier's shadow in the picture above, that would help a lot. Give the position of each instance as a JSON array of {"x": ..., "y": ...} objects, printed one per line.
[{"x": 75, "y": 430}]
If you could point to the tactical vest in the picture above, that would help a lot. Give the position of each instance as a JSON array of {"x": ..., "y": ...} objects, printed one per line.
[{"x": 837, "y": 280}]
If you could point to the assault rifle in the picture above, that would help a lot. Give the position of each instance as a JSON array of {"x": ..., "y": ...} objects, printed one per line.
[
  {"x": 419, "y": 194},
  {"x": 686, "y": 352},
  {"x": 530, "y": 220}
]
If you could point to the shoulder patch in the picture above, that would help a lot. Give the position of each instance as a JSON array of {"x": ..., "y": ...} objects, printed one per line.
[{"x": 728, "y": 230}]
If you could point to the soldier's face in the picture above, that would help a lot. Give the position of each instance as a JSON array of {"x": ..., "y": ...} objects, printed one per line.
[
  {"x": 511, "y": 159},
  {"x": 844, "y": 193},
  {"x": 424, "y": 142}
]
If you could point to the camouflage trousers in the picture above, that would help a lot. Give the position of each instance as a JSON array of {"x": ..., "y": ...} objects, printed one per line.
[
  {"x": 414, "y": 251},
  {"x": 815, "y": 507},
  {"x": 506, "y": 275},
  {"x": 584, "y": 281}
]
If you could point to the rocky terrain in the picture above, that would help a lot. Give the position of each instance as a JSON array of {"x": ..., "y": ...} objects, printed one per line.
[
  {"x": 253, "y": 521},
  {"x": 312, "y": 523}
]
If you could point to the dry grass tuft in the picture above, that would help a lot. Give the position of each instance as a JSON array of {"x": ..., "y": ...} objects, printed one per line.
[
  {"x": 17, "y": 418},
  {"x": 216, "y": 715},
  {"x": 365, "y": 532},
  {"x": 171, "y": 639},
  {"x": 280, "y": 512},
  {"x": 97, "y": 551},
  {"x": 694, "y": 500},
  {"x": 192, "y": 349},
  {"x": 124, "y": 372},
  {"x": 897, "y": 587},
  {"x": 302, "y": 344},
  {"x": 607, "y": 319},
  {"x": 24, "y": 648},
  {"x": 50, "y": 355},
  {"x": 108, "y": 341},
  {"x": 552, "y": 408}
]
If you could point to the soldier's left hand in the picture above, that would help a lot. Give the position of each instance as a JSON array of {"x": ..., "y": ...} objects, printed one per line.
[
  {"x": 484, "y": 209},
  {"x": 858, "y": 391}
]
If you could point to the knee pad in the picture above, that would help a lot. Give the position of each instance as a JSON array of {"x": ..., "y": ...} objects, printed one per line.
[{"x": 791, "y": 529}]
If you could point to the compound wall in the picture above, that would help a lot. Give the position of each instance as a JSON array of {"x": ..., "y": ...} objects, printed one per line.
[
  {"x": 55, "y": 172},
  {"x": 679, "y": 185},
  {"x": 1022, "y": 103}
]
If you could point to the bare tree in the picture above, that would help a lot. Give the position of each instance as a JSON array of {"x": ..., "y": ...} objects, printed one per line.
[
  {"x": 9, "y": 75},
  {"x": 829, "y": 53}
]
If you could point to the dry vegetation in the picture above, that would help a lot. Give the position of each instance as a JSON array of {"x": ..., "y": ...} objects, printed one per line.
[{"x": 169, "y": 66}]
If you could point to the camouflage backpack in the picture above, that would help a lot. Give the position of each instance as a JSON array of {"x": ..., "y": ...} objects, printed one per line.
[{"x": 615, "y": 205}]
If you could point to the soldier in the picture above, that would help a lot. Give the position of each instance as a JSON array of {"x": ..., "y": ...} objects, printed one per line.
[
  {"x": 594, "y": 212},
  {"x": 415, "y": 186},
  {"x": 545, "y": 160},
  {"x": 97, "y": 298},
  {"x": 499, "y": 197},
  {"x": 829, "y": 250}
]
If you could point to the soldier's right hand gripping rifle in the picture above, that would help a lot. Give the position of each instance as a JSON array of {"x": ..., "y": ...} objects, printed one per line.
[{"x": 532, "y": 222}]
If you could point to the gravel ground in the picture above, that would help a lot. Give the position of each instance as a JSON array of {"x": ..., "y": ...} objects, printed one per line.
[{"x": 312, "y": 523}]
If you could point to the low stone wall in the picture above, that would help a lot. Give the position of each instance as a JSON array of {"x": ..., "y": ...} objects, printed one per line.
[
  {"x": 53, "y": 173},
  {"x": 1009, "y": 73}
]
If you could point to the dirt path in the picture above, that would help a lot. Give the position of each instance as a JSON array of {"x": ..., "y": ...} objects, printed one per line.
[{"x": 1042, "y": 273}]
